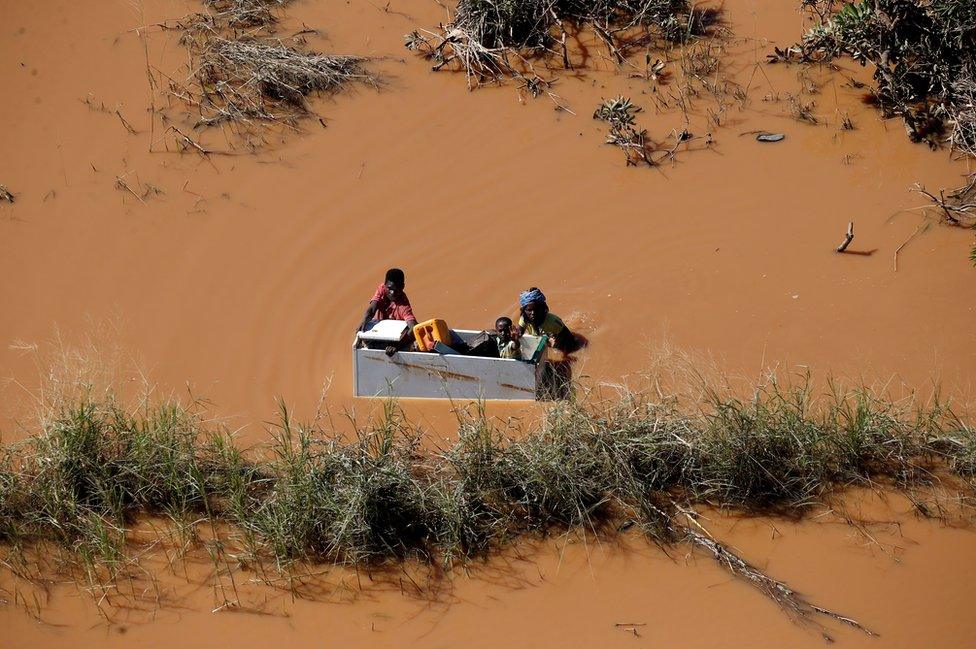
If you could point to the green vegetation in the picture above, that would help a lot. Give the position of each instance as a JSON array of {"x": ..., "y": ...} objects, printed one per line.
[
  {"x": 595, "y": 466},
  {"x": 924, "y": 58}
]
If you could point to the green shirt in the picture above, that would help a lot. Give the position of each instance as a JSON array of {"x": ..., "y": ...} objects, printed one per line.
[
  {"x": 509, "y": 349},
  {"x": 552, "y": 326}
]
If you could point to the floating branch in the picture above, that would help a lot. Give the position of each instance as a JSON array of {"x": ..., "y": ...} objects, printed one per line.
[
  {"x": 125, "y": 122},
  {"x": 795, "y": 605},
  {"x": 847, "y": 238}
]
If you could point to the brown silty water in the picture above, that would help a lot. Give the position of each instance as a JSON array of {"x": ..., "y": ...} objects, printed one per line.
[{"x": 245, "y": 278}]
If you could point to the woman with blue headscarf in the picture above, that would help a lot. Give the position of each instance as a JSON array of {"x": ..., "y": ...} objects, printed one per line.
[{"x": 537, "y": 320}]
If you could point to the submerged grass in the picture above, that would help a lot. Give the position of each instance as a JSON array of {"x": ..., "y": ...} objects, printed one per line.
[
  {"x": 244, "y": 74},
  {"x": 593, "y": 465},
  {"x": 491, "y": 41}
]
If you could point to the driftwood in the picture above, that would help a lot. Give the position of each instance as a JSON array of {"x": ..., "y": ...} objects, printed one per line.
[
  {"x": 6, "y": 195},
  {"x": 847, "y": 238},
  {"x": 793, "y": 603}
]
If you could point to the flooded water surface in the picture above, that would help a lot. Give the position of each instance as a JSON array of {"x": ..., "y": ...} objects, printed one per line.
[{"x": 240, "y": 277}]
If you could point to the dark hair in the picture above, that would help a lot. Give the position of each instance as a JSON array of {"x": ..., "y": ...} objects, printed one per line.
[
  {"x": 503, "y": 320},
  {"x": 395, "y": 275}
]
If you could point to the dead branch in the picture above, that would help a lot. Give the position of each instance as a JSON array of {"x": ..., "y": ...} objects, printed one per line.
[
  {"x": 125, "y": 123},
  {"x": 847, "y": 238},
  {"x": 124, "y": 186},
  {"x": 795, "y": 605},
  {"x": 921, "y": 228},
  {"x": 958, "y": 207}
]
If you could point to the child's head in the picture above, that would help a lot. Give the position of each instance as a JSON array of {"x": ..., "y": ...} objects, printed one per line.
[
  {"x": 394, "y": 282},
  {"x": 503, "y": 327}
]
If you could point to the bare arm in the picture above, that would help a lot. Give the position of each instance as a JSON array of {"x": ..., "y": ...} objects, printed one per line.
[{"x": 370, "y": 312}]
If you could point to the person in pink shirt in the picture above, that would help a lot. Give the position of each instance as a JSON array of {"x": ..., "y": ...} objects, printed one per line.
[{"x": 389, "y": 302}]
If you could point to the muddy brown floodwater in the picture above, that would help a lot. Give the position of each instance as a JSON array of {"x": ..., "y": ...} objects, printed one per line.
[
  {"x": 910, "y": 581},
  {"x": 245, "y": 277}
]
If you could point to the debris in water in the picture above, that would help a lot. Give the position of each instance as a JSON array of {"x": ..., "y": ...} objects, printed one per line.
[
  {"x": 6, "y": 195},
  {"x": 770, "y": 137},
  {"x": 959, "y": 206},
  {"x": 847, "y": 237},
  {"x": 619, "y": 114}
]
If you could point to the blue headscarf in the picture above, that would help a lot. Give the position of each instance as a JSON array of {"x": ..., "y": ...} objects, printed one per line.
[{"x": 531, "y": 295}]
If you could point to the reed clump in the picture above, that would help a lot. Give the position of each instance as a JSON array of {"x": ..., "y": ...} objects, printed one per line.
[
  {"x": 95, "y": 466},
  {"x": 361, "y": 502},
  {"x": 594, "y": 465}
]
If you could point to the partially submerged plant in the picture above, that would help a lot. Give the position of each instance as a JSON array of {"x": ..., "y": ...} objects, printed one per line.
[
  {"x": 246, "y": 14},
  {"x": 620, "y": 113},
  {"x": 490, "y": 41},
  {"x": 924, "y": 57},
  {"x": 923, "y": 53},
  {"x": 243, "y": 76},
  {"x": 245, "y": 80}
]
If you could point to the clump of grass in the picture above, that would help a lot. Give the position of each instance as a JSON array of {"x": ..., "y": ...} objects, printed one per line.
[
  {"x": 761, "y": 453},
  {"x": 94, "y": 466},
  {"x": 477, "y": 513},
  {"x": 593, "y": 465},
  {"x": 246, "y": 14},
  {"x": 243, "y": 80},
  {"x": 364, "y": 502},
  {"x": 490, "y": 41},
  {"x": 243, "y": 75},
  {"x": 556, "y": 479}
]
